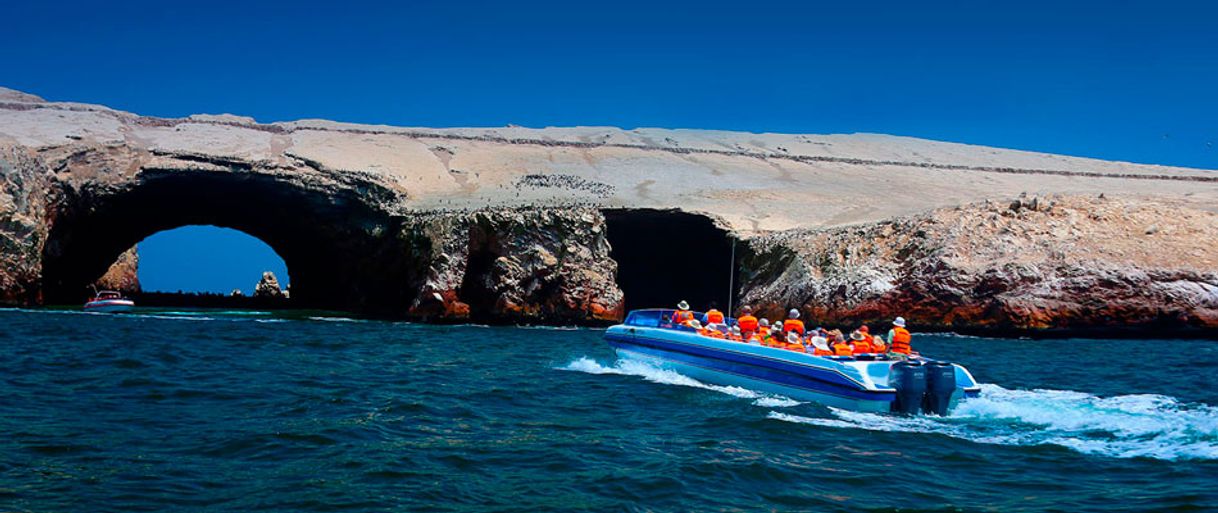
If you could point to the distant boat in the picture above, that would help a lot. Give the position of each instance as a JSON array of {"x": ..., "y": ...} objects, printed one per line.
[{"x": 109, "y": 301}]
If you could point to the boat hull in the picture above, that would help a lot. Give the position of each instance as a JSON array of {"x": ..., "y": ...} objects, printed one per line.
[
  {"x": 838, "y": 382},
  {"x": 110, "y": 306}
]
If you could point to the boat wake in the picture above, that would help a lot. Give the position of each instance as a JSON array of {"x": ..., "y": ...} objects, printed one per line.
[
  {"x": 1127, "y": 426},
  {"x": 668, "y": 377}
]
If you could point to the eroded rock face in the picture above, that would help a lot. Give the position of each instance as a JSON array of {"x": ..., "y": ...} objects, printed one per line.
[
  {"x": 123, "y": 275},
  {"x": 24, "y": 181},
  {"x": 506, "y": 225},
  {"x": 1066, "y": 263},
  {"x": 518, "y": 265}
]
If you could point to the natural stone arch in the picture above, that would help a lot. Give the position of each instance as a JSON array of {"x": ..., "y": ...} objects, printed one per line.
[{"x": 342, "y": 252}]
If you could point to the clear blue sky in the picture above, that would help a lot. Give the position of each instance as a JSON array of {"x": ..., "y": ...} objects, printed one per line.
[{"x": 1117, "y": 80}]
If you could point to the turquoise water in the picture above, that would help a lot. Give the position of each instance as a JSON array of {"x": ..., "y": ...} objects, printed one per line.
[{"x": 215, "y": 411}]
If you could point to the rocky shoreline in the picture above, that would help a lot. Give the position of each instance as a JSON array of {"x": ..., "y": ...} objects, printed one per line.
[{"x": 566, "y": 226}]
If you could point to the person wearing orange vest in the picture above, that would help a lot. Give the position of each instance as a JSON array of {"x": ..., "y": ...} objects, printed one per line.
[
  {"x": 735, "y": 335},
  {"x": 711, "y": 331},
  {"x": 820, "y": 344},
  {"x": 763, "y": 330},
  {"x": 861, "y": 343},
  {"x": 899, "y": 337},
  {"x": 795, "y": 342},
  {"x": 840, "y": 346},
  {"x": 682, "y": 315},
  {"x": 714, "y": 316},
  {"x": 793, "y": 323},
  {"x": 748, "y": 323}
]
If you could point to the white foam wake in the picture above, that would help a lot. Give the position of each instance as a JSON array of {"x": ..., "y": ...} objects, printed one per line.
[
  {"x": 626, "y": 367},
  {"x": 1128, "y": 426}
]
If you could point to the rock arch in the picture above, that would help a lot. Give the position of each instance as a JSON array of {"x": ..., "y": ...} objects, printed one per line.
[{"x": 341, "y": 251}]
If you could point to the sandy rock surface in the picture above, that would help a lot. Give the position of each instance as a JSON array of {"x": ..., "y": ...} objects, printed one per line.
[
  {"x": 508, "y": 224},
  {"x": 1056, "y": 262}
]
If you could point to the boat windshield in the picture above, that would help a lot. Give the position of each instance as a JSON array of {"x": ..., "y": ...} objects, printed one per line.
[{"x": 108, "y": 294}]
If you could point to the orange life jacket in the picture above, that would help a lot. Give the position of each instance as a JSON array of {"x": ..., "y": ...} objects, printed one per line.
[
  {"x": 821, "y": 352},
  {"x": 682, "y": 316},
  {"x": 795, "y": 325},
  {"x": 842, "y": 349},
  {"x": 714, "y": 316},
  {"x": 900, "y": 340},
  {"x": 755, "y": 339},
  {"x": 734, "y": 337},
  {"x": 862, "y": 346},
  {"x": 796, "y": 347},
  {"x": 714, "y": 334},
  {"x": 877, "y": 345},
  {"x": 746, "y": 323}
]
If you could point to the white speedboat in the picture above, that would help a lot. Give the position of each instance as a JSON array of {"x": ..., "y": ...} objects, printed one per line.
[{"x": 109, "y": 301}]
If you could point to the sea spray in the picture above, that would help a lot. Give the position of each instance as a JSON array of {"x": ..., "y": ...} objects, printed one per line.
[
  {"x": 1129, "y": 426},
  {"x": 668, "y": 377}
]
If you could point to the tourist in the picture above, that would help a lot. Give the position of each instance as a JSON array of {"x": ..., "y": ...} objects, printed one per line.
[
  {"x": 763, "y": 331},
  {"x": 735, "y": 335},
  {"x": 899, "y": 338},
  {"x": 820, "y": 344},
  {"x": 714, "y": 316},
  {"x": 746, "y": 321},
  {"x": 793, "y": 323},
  {"x": 841, "y": 347},
  {"x": 861, "y": 344},
  {"x": 683, "y": 315},
  {"x": 795, "y": 342}
]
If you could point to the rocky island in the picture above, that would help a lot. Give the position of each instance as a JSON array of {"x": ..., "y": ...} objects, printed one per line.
[{"x": 576, "y": 225}]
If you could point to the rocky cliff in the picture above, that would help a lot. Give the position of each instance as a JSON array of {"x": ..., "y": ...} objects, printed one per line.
[
  {"x": 566, "y": 225},
  {"x": 123, "y": 274},
  {"x": 1067, "y": 264}
]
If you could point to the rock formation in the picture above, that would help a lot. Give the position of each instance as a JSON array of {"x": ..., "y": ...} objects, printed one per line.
[
  {"x": 123, "y": 274},
  {"x": 1071, "y": 264},
  {"x": 268, "y": 287},
  {"x": 514, "y": 224}
]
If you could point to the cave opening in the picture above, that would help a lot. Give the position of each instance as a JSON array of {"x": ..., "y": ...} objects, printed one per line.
[
  {"x": 665, "y": 256},
  {"x": 475, "y": 287},
  {"x": 342, "y": 255}
]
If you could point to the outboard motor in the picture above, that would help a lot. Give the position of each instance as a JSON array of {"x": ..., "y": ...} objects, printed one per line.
[
  {"x": 909, "y": 379},
  {"x": 940, "y": 385}
]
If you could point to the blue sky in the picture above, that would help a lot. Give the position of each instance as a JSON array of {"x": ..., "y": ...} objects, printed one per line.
[{"x": 1115, "y": 80}]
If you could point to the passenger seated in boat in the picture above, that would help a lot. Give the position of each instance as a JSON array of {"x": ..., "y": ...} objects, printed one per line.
[
  {"x": 712, "y": 331},
  {"x": 842, "y": 348},
  {"x": 820, "y": 344},
  {"x": 714, "y": 316},
  {"x": 734, "y": 334},
  {"x": 682, "y": 315},
  {"x": 746, "y": 321},
  {"x": 860, "y": 343},
  {"x": 793, "y": 324},
  {"x": 763, "y": 331},
  {"x": 795, "y": 342}
]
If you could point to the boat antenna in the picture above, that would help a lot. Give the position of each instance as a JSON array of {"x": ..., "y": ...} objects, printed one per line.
[{"x": 731, "y": 275}]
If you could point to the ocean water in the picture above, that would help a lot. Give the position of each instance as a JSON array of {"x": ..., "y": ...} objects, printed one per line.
[{"x": 250, "y": 411}]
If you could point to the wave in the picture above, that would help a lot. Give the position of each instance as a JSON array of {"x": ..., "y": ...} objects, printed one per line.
[
  {"x": 655, "y": 374},
  {"x": 334, "y": 319},
  {"x": 1127, "y": 426}
]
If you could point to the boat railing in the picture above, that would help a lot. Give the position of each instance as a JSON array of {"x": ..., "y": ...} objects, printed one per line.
[{"x": 662, "y": 318}]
